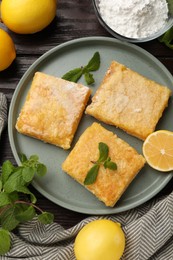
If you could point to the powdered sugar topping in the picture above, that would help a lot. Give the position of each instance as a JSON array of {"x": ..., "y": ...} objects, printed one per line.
[{"x": 134, "y": 18}]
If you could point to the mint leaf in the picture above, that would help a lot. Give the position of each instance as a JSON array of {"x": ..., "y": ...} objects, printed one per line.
[
  {"x": 8, "y": 220},
  {"x": 73, "y": 75},
  {"x": 23, "y": 158},
  {"x": 89, "y": 78},
  {"x": 46, "y": 218},
  {"x": 33, "y": 158},
  {"x": 110, "y": 165},
  {"x": 33, "y": 198},
  {"x": 13, "y": 196},
  {"x": 14, "y": 182},
  {"x": 41, "y": 169},
  {"x": 7, "y": 169},
  {"x": 4, "y": 199},
  {"x": 24, "y": 213},
  {"x": 92, "y": 175},
  {"x": 0, "y": 185},
  {"x": 25, "y": 190},
  {"x": 5, "y": 241},
  {"x": 28, "y": 174},
  {"x": 94, "y": 63},
  {"x": 167, "y": 38},
  {"x": 104, "y": 150}
]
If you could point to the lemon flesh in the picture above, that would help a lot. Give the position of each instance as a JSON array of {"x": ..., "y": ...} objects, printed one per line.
[
  {"x": 100, "y": 240},
  {"x": 27, "y": 16},
  {"x": 158, "y": 150}
]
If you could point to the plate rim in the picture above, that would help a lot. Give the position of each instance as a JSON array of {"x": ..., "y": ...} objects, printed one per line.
[{"x": 10, "y": 129}]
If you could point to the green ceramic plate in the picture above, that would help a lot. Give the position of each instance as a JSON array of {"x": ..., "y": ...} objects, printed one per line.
[{"x": 57, "y": 186}]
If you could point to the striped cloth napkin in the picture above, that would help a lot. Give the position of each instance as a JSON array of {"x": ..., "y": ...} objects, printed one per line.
[
  {"x": 3, "y": 112},
  {"x": 148, "y": 230}
]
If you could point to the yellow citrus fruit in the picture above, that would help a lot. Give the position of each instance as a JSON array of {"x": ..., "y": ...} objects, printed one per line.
[
  {"x": 100, "y": 240},
  {"x": 27, "y": 16},
  {"x": 7, "y": 50},
  {"x": 158, "y": 150}
]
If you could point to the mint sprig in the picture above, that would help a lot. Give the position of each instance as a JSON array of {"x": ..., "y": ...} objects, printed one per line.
[
  {"x": 17, "y": 202},
  {"x": 75, "y": 74},
  {"x": 103, "y": 160},
  {"x": 167, "y": 38}
]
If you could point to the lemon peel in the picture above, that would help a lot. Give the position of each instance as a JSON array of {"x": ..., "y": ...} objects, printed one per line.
[
  {"x": 99, "y": 240},
  {"x": 7, "y": 50},
  {"x": 27, "y": 16}
]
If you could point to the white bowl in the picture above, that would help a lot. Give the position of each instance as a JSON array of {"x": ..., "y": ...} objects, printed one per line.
[{"x": 168, "y": 25}]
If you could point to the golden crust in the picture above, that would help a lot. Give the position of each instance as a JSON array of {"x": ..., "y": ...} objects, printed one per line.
[
  {"x": 129, "y": 101},
  {"x": 52, "y": 110},
  {"x": 109, "y": 185}
]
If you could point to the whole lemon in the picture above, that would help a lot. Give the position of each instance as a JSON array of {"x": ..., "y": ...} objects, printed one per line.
[
  {"x": 100, "y": 240},
  {"x": 27, "y": 16},
  {"x": 7, "y": 50}
]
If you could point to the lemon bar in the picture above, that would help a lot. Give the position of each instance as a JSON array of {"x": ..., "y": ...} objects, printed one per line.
[
  {"x": 129, "y": 101},
  {"x": 52, "y": 110},
  {"x": 109, "y": 184}
]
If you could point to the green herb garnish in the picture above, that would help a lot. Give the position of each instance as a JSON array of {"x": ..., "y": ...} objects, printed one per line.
[
  {"x": 103, "y": 160},
  {"x": 167, "y": 38},
  {"x": 75, "y": 74},
  {"x": 17, "y": 202}
]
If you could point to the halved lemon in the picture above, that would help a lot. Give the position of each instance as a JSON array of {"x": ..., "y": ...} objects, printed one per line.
[{"x": 158, "y": 150}]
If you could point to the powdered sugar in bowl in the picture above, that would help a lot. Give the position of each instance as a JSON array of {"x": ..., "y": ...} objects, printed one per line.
[{"x": 135, "y": 20}]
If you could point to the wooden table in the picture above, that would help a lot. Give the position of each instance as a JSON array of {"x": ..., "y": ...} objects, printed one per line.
[{"x": 74, "y": 19}]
